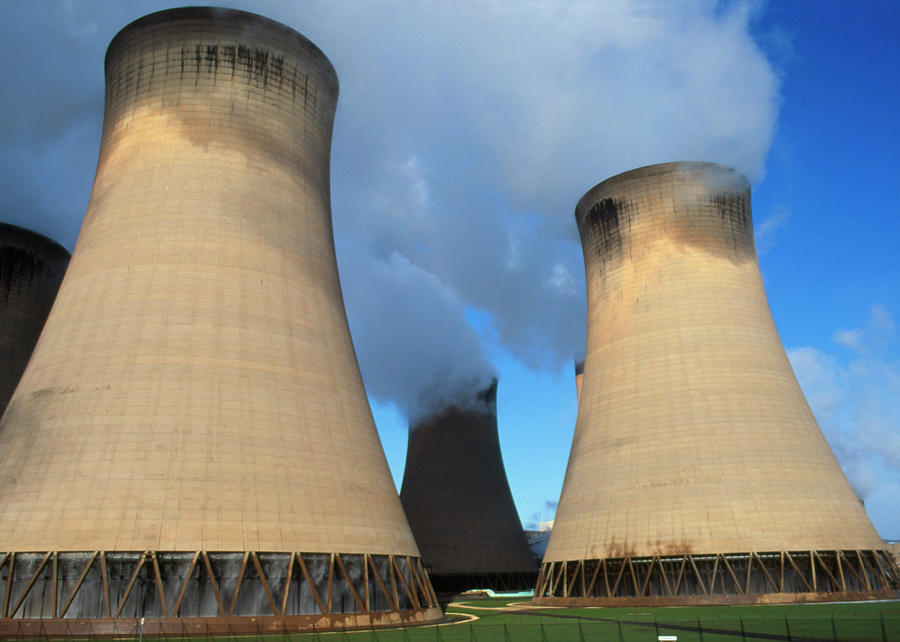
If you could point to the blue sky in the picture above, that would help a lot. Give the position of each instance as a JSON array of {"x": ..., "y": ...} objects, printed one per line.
[{"x": 467, "y": 132}]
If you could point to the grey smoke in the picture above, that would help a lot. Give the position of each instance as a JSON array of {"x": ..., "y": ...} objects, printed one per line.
[
  {"x": 465, "y": 134},
  {"x": 546, "y": 514}
]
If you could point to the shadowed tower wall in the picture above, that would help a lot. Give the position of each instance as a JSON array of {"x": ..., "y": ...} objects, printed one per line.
[
  {"x": 457, "y": 498},
  {"x": 579, "y": 377},
  {"x": 697, "y": 470},
  {"x": 194, "y": 408},
  {"x": 31, "y": 269}
]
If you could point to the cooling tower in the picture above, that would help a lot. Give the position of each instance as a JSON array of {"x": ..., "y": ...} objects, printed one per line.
[
  {"x": 697, "y": 472},
  {"x": 31, "y": 268},
  {"x": 190, "y": 448},
  {"x": 458, "y": 502}
]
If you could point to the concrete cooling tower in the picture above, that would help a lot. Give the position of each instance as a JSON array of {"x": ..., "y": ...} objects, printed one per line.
[
  {"x": 697, "y": 473},
  {"x": 190, "y": 448},
  {"x": 458, "y": 502},
  {"x": 31, "y": 269}
]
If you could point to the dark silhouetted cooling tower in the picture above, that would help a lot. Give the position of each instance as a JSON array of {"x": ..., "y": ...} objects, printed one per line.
[
  {"x": 31, "y": 269},
  {"x": 191, "y": 440},
  {"x": 697, "y": 473},
  {"x": 458, "y": 501}
]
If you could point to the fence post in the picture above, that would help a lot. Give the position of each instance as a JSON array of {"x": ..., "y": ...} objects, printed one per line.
[
  {"x": 743, "y": 636},
  {"x": 787, "y": 627},
  {"x": 580, "y": 632},
  {"x": 884, "y": 637},
  {"x": 505, "y": 633},
  {"x": 700, "y": 629},
  {"x": 621, "y": 637},
  {"x": 833, "y": 629}
]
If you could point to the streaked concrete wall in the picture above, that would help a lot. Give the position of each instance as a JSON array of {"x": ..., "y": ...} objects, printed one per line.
[
  {"x": 693, "y": 435},
  {"x": 196, "y": 386}
]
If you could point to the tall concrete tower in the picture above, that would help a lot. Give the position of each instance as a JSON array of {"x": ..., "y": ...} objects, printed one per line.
[
  {"x": 191, "y": 440},
  {"x": 697, "y": 473},
  {"x": 458, "y": 501},
  {"x": 31, "y": 269}
]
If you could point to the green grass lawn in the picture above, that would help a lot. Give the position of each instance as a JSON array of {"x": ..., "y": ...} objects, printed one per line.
[
  {"x": 493, "y": 620},
  {"x": 858, "y": 622}
]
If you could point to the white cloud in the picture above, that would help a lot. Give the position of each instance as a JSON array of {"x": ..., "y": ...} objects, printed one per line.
[
  {"x": 413, "y": 342},
  {"x": 767, "y": 229},
  {"x": 821, "y": 379},
  {"x": 512, "y": 111},
  {"x": 561, "y": 280},
  {"x": 875, "y": 336},
  {"x": 856, "y": 400},
  {"x": 465, "y": 134}
]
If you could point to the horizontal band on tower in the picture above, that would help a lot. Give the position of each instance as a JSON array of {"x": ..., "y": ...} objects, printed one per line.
[
  {"x": 111, "y": 591},
  {"x": 717, "y": 578}
]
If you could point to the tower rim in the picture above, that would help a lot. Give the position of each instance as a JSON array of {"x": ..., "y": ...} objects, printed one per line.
[
  {"x": 735, "y": 180},
  {"x": 49, "y": 243},
  {"x": 225, "y": 14}
]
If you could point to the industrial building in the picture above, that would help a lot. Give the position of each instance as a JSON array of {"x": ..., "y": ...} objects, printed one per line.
[
  {"x": 698, "y": 474},
  {"x": 457, "y": 499},
  {"x": 190, "y": 448},
  {"x": 31, "y": 269}
]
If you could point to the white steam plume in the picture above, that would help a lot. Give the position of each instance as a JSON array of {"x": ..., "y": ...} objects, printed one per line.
[{"x": 465, "y": 134}]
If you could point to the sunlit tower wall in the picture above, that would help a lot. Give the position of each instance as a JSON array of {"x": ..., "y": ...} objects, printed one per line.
[
  {"x": 31, "y": 269},
  {"x": 697, "y": 472},
  {"x": 457, "y": 498},
  {"x": 191, "y": 448}
]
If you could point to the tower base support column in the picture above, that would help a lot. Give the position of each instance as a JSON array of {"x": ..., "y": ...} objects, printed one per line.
[
  {"x": 720, "y": 578},
  {"x": 198, "y": 592}
]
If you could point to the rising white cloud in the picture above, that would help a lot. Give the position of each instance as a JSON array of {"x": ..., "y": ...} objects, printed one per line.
[
  {"x": 465, "y": 134},
  {"x": 854, "y": 391},
  {"x": 514, "y": 110}
]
